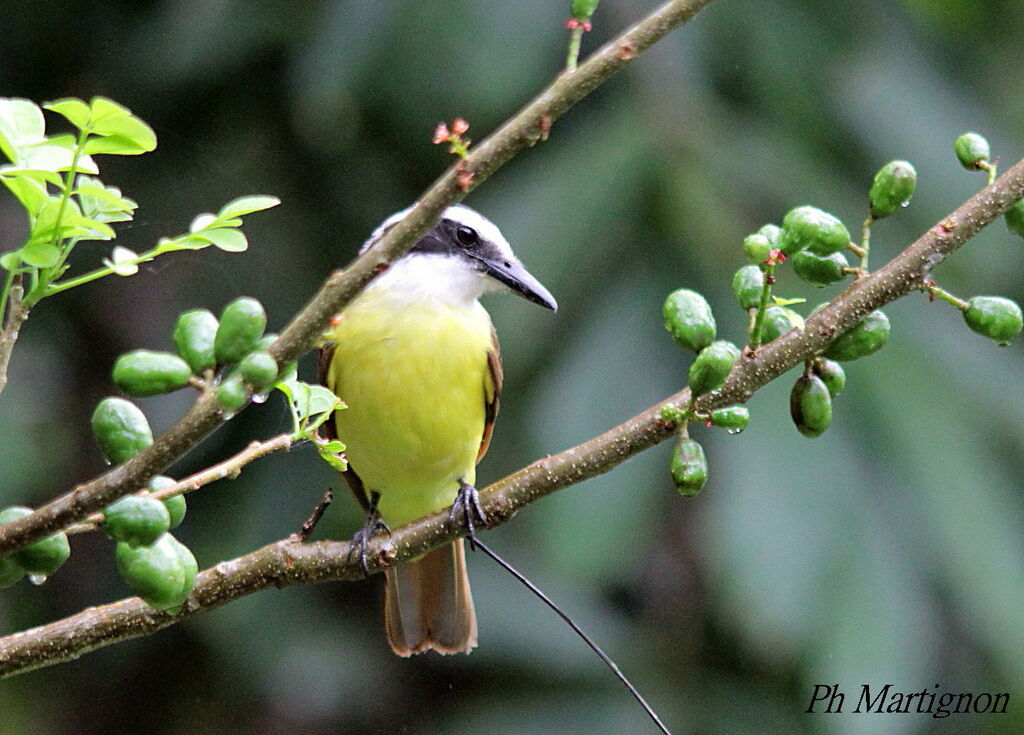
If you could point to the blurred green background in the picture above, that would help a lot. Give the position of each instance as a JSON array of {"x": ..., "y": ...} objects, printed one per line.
[{"x": 891, "y": 550}]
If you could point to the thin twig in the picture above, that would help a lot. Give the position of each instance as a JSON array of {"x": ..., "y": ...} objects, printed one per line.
[
  {"x": 230, "y": 467},
  {"x": 528, "y": 126},
  {"x": 16, "y": 314},
  {"x": 579, "y": 631}
]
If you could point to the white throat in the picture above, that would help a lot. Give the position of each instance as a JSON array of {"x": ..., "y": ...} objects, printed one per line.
[{"x": 432, "y": 277}]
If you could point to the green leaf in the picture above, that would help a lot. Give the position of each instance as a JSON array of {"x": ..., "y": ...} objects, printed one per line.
[
  {"x": 779, "y": 301},
  {"x": 125, "y": 133},
  {"x": 21, "y": 123},
  {"x": 246, "y": 205},
  {"x": 123, "y": 262},
  {"x": 334, "y": 446},
  {"x": 74, "y": 110},
  {"x": 335, "y": 461},
  {"x": 117, "y": 145},
  {"x": 29, "y": 191},
  {"x": 40, "y": 254},
  {"x": 95, "y": 230},
  {"x": 321, "y": 400},
  {"x": 50, "y": 157},
  {"x": 227, "y": 239},
  {"x": 201, "y": 222},
  {"x": 10, "y": 260}
]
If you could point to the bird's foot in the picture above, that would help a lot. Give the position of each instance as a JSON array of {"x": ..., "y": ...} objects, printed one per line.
[
  {"x": 467, "y": 504},
  {"x": 372, "y": 526}
]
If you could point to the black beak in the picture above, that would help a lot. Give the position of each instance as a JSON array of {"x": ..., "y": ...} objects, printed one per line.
[{"x": 518, "y": 279}]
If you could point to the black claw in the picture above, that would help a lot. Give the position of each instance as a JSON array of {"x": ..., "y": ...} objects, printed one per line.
[
  {"x": 372, "y": 526},
  {"x": 467, "y": 503}
]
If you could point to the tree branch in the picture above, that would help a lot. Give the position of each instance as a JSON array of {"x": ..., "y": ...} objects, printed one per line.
[
  {"x": 524, "y": 129},
  {"x": 290, "y": 561},
  {"x": 16, "y": 315}
]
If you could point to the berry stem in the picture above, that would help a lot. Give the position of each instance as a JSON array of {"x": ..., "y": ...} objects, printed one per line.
[
  {"x": 865, "y": 244},
  {"x": 575, "y": 40},
  {"x": 766, "y": 294},
  {"x": 945, "y": 295}
]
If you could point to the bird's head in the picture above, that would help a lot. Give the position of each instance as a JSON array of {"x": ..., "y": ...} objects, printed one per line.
[{"x": 460, "y": 259}]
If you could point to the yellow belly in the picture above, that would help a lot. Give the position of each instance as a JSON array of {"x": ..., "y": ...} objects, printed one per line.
[{"x": 415, "y": 378}]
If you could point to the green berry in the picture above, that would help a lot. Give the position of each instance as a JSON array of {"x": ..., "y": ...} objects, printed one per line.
[
  {"x": 193, "y": 335},
  {"x": 831, "y": 374},
  {"x": 689, "y": 467},
  {"x": 773, "y": 233},
  {"x": 583, "y": 9},
  {"x": 46, "y": 555},
  {"x": 747, "y": 285},
  {"x": 810, "y": 405},
  {"x": 819, "y": 270},
  {"x": 733, "y": 418},
  {"x": 120, "y": 429},
  {"x": 972, "y": 150},
  {"x": 176, "y": 505},
  {"x": 867, "y": 337},
  {"x": 712, "y": 366},
  {"x": 688, "y": 318},
  {"x": 137, "y": 520},
  {"x": 892, "y": 188},
  {"x": 148, "y": 373},
  {"x": 258, "y": 369},
  {"x": 241, "y": 325},
  {"x": 757, "y": 248},
  {"x": 1015, "y": 219},
  {"x": 811, "y": 228},
  {"x": 10, "y": 570},
  {"x": 231, "y": 393},
  {"x": 777, "y": 321},
  {"x": 162, "y": 574},
  {"x": 994, "y": 317}
]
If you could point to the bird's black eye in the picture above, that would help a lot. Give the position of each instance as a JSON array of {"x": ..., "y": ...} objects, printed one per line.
[{"x": 466, "y": 236}]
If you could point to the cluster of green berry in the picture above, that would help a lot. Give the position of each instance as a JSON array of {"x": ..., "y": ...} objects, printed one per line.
[
  {"x": 229, "y": 356},
  {"x": 38, "y": 560},
  {"x": 813, "y": 241},
  {"x": 204, "y": 345}
]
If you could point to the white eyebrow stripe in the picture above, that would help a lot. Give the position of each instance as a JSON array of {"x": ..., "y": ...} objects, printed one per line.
[{"x": 456, "y": 213}]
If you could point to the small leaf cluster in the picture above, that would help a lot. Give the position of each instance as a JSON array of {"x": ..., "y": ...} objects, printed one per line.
[{"x": 56, "y": 180}]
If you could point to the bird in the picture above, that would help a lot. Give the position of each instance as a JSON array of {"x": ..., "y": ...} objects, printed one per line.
[{"x": 416, "y": 360}]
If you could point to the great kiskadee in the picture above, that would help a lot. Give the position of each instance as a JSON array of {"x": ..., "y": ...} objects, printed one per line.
[{"x": 416, "y": 360}]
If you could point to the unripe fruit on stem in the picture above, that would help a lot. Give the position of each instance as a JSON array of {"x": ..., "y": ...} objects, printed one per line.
[
  {"x": 712, "y": 366},
  {"x": 688, "y": 318},
  {"x": 772, "y": 233},
  {"x": 583, "y": 9},
  {"x": 994, "y": 317},
  {"x": 689, "y": 467},
  {"x": 231, "y": 393},
  {"x": 258, "y": 368},
  {"x": 162, "y": 574},
  {"x": 810, "y": 405},
  {"x": 1015, "y": 219},
  {"x": 892, "y": 188},
  {"x": 733, "y": 418},
  {"x": 757, "y": 248},
  {"x": 193, "y": 335},
  {"x": 972, "y": 150},
  {"x": 176, "y": 506},
  {"x": 820, "y": 270},
  {"x": 10, "y": 570},
  {"x": 241, "y": 325},
  {"x": 777, "y": 321},
  {"x": 747, "y": 285},
  {"x": 45, "y": 556},
  {"x": 136, "y": 520},
  {"x": 121, "y": 429},
  {"x": 867, "y": 337},
  {"x": 831, "y": 374},
  {"x": 812, "y": 228},
  {"x": 148, "y": 373}
]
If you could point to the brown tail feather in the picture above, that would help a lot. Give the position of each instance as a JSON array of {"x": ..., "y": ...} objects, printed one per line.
[{"x": 428, "y": 605}]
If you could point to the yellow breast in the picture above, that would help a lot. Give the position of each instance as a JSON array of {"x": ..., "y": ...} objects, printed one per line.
[{"x": 414, "y": 375}]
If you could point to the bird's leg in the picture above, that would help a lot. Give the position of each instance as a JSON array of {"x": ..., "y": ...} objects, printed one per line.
[
  {"x": 372, "y": 526},
  {"x": 467, "y": 502}
]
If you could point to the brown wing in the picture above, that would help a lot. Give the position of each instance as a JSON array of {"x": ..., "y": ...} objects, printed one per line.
[
  {"x": 493, "y": 401},
  {"x": 328, "y": 429}
]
